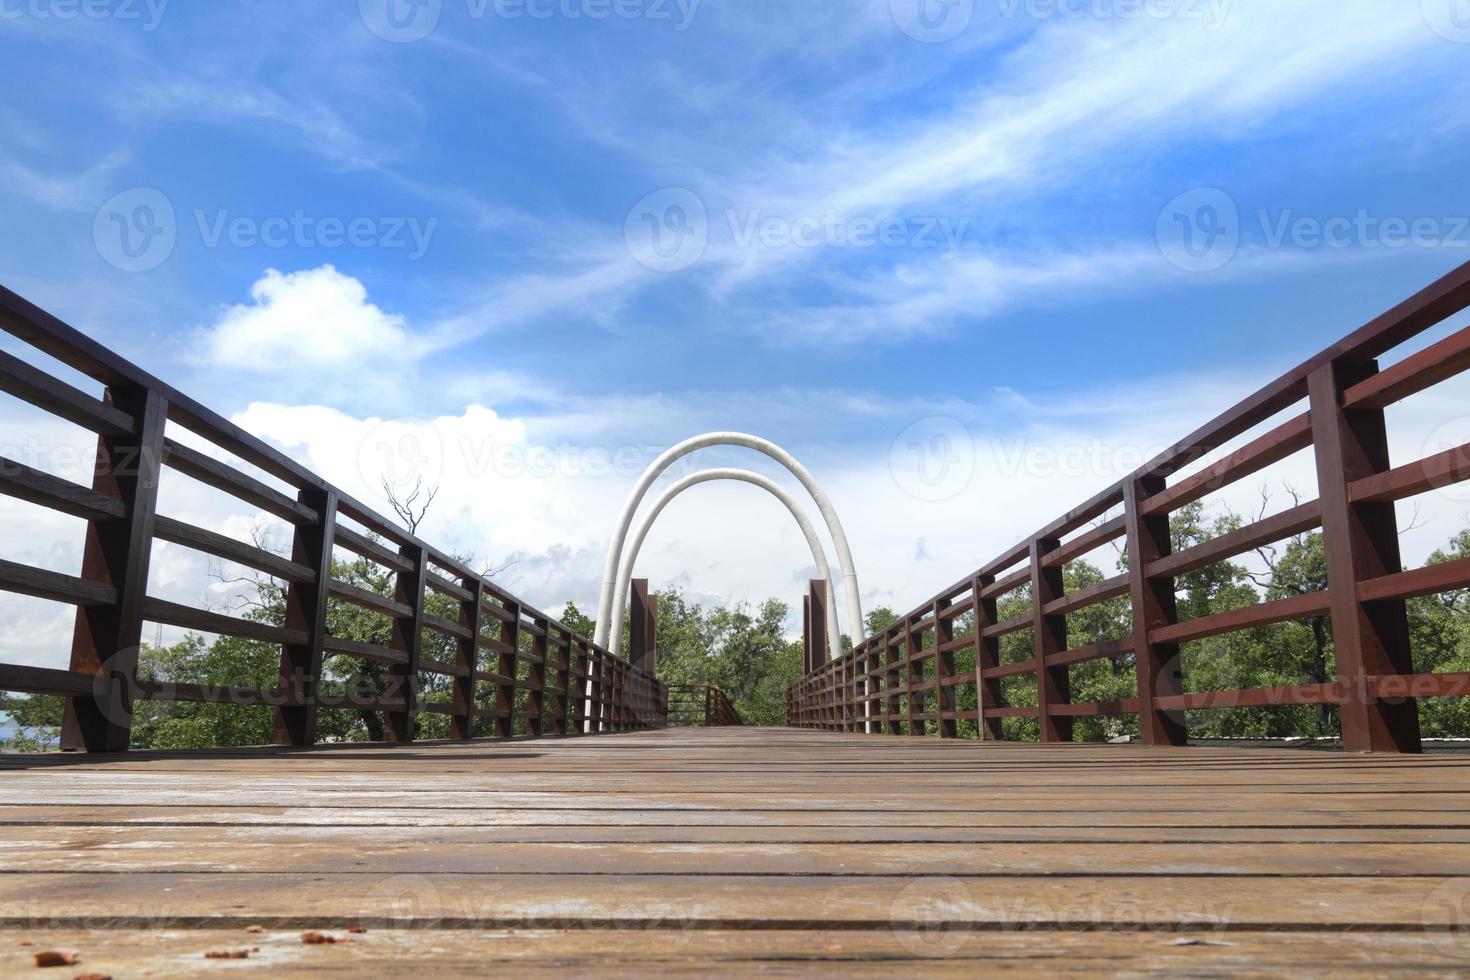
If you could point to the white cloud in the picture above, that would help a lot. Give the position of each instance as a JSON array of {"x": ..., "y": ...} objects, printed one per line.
[{"x": 302, "y": 320}]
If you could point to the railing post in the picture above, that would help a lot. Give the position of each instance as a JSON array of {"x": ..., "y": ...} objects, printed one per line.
[
  {"x": 987, "y": 657},
  {"x": 944, "y": 671},
  {"x": 536, "y": 697},
  {"x": 467, "y": 660},
  {"x": 306, "y": 610},
  {"x": 1360, "y": 541},
  {"x": 1157, "y": 665},
  {"x": 106, "y": 639},
  {"x": 1053, "y": 684},
  {"x": 577, "y": 674},
  {"x": 408, "y": 640},
  {"x": 508, "y": 664},
  {"x": 892, "y": 684},
  {"x": 596, "y": 710},
  {"x": 564, "y": 685},
  {"x": 914, "y": 671}
]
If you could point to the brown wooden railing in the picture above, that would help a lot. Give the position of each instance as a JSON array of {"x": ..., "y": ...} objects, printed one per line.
[
  {"x": 895, "y": 683},
  {"x": 571, "y": 685},
  {"x": 701, "y": 706}
]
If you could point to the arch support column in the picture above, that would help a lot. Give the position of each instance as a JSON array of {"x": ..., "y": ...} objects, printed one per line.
[{"x": 643, "y": 628}]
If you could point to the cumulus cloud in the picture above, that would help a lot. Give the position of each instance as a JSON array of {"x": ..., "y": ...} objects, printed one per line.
[{"x": 313, "y": 318}]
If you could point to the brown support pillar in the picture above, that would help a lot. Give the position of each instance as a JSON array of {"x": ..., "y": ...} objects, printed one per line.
[
  {"x": 536, "y": 697},
  {"x": 467, "y": 661},
  {"x": 987, "y": 657},
  {"x": 643, "y": 628},
  {"x": 1158, "y": 664},
  {"x": 1361, "y": 542},
  {"x": 306, "y": 610},
  {"x": 106, "y": 639},
  {"x": 505, "y": 688},
  {"x": 914, "y": 674},
  {"x": 893, "y": 681},
  {"x": 944, "y": 670},
  {"x": 806, "y": 635},
  {"x": 817, "y": 600},
  {"x": 1053, "y": 684},
  {"x": 403, "y": 679}
]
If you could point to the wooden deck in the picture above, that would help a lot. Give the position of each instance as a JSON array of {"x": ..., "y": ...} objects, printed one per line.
[{"x": 738, "y": 850}]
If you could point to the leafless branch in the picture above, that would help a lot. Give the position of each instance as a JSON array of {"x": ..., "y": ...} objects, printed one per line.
[{"x": 411, "y": 509}]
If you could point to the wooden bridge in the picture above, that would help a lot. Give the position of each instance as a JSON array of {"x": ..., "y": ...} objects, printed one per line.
[
  {"x": 849, "y": 842},
  {"x": 717, "y": 851}
]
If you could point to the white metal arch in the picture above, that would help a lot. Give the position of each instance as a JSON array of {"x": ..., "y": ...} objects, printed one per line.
[
  {"x": 605, "y": 601},
  {"x": 819, "y": 554}
]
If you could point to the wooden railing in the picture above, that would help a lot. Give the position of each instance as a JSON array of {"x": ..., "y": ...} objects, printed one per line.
[
  {"x": 701, "y": 706},
  {"x": 897, "y": 683},
  {"x": 570, "y": 685}
]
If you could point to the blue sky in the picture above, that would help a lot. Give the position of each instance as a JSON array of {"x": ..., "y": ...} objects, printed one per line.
[{"x": 1033, "y": 166}]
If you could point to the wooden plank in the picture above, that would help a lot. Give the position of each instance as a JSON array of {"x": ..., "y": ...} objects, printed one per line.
[
  {"x": 441, "y": 949},
  {"x": 177, "y": 532},
  {"x": 365, "y": 546},
  {"x": 1430, "y": 580},
  {"x": 367, "y": 599},
  {"x": 43, "y": 584},
  {"x": 1297, "y": 520},
  {"x": 1413, "y": 374},
  {"x": 34, "y": 486},
  {"x": 1082, "y": 544},
  {"x": 21, "y": 679},
  {"x": 363, "y": 651},
  {"x": 1435, "y": 473},
  {"x": 33, "y": 385},
  {"x": 221, "y": 476},
  {"x": 1287, "y": 438},
  {"x": 1261, "y": 614},
  {"x": 186, "y": 617},
  {"x": 1073, "y": 601}
]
